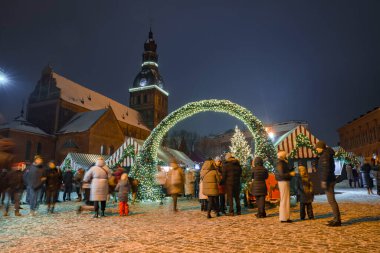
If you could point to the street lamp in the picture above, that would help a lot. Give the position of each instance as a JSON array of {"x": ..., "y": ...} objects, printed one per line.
[{"x": 3, "y": 78}]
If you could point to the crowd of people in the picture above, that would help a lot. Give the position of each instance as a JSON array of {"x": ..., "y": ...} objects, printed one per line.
[{"x": 217, "y": 185}]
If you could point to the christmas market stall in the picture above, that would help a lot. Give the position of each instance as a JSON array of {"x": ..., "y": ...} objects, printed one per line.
[
  {"x": 74, "y": 161},
  {"x": 299, "y": 144},
  {"x": 125, "y": 155}
]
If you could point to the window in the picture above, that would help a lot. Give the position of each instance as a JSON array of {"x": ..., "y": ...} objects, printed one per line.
[
  {"x": 138, "y": 100},
  {"x": 27, "y": 150},
  {"x": 39, "y": 148},
  {"x": 111, "y": 150},
  {"x": 103, "y": 149},
  {"x": 145, "y": 99}
]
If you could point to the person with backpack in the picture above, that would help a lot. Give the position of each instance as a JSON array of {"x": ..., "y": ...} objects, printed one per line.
[{"x": 176, "y": 179}]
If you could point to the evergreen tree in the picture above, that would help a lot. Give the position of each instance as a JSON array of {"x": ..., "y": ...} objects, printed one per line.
[{"x": 242, "y": 151}]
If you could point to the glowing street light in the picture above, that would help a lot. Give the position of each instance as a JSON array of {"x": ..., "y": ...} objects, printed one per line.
[
  {"x": 271, "y": 135},
  {"x": 3, "y": 78}
]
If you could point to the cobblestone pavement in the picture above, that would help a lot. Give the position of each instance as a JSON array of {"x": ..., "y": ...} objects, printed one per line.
[{"x": 154, "y": 228}]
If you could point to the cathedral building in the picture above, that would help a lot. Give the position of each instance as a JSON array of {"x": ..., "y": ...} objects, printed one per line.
[{"x": 65, "y": 116}]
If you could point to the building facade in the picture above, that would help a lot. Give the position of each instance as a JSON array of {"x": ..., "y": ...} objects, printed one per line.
[{"x": 362, "y": 135}]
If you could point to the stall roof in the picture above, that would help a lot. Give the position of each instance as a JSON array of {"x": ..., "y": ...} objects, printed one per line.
[
  {"x": 287, "y": 142},
  {"x": 80, "y": 160}
]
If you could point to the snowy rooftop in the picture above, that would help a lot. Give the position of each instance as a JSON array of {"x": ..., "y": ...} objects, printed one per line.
[
  {"x": 20, "y": 124},
  {"x": 82, "y": 122},
  {"x": 77, "y": 94}
]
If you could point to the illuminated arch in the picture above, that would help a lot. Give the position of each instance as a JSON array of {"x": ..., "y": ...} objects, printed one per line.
[{"x": 145, "y": 167}]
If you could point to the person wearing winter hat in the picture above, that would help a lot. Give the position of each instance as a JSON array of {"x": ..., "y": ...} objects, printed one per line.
[
  {"x": 326, "y": 165},
  {"x": 98, "y": 175},
  {"x": 231, "y": 174},
  {"x": 221, "y": 188}
]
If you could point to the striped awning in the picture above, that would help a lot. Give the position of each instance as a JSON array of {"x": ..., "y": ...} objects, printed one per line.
[
  {"x": 80, "y": 160},
  {"x": 128, "y": 161},
  {"x": 287, "y": 142},
  {"x": 164, "y": 154}
]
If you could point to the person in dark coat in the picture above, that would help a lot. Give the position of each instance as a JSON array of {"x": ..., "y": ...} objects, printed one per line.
[
  {"x": 36, "y": 178},
  {"x": 222, "y": 189},
  {"x": 68, "y": 179},
  {"x": 366, "y": 175},
  {"x": 3, "y": 185},
  {"x": 327, "y": 166},
  {"x": 231, "y": 173},
  {"x": 15, "y": 187},
  {"x": 259, "y": 187},
  {"x": 53, "y": 184},
  {"x": 123, "y": 188},
  {"x": 283, "y": 176},
  {"x": 305, "y": 191}
]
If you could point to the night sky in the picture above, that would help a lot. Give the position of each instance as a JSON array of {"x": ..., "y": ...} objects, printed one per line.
[{"x": 317, "y": 61}]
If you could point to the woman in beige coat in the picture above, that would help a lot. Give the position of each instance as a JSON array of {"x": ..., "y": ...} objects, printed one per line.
[
  {"x": 176, "y": 179},
  {"x": 210, "y": 179}
]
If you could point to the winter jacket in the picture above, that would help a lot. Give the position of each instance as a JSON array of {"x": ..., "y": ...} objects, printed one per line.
[
  {"x": 305, "y": 190},
  {"x": 15, "y": 181},
  {"x": 78, "y": 178},
  {"x": 53, "y": 179},
  {"x": 123, "y": 188},
  {"x": 175, "y": 181},
  {"x": 231, "y": 173},
  {"x": 222, "y": 188},
  {"x": 189, "y": 182},
  {"x": 3, "y": 182},
  {"x": 350, "y": 176},
  {"x": 366, "y": 175},
  {"x": 98, "y": 176},
  {"x": 259, "y": 175},
  {"x": 68, "y": 178},
  {"x": 36, "y": 176},
  {"x": 283, "y": 171},
  {"x": 210, "y": 179},
  {"x": 326, "y": 165}
]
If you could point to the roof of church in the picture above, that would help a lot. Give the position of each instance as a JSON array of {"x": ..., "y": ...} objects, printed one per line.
[
  {"x": 79, "y": 95},
  {"x": 20, "y": 124},
  {"x": 148, "y": 77},
  {"x": 82, "y": 122}
]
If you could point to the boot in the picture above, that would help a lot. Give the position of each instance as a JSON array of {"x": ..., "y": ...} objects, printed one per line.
[
  {"x": 5, "y": 213},
  {"x": 17, "y": 213},
  {"x": 52, "y": 210},
  {"x": 96, "y": 215},
  {"x": 103, "y": 215},
  {"x": 208, "y": 215}
]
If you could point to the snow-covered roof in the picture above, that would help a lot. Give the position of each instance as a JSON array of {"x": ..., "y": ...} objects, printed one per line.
[
  {"x": 77, "y": 94},
  {"x": 20, "y": 124},
  {"x": 82, "y": 122},
  {"x": 80, "y": 160}
]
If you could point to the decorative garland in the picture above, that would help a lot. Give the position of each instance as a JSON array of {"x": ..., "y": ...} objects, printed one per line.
[
  {"x": 343, "y": 155},
  {"x": 145, "y": 167},
  {"x": 302, "y": 141},
  {"x": 129, "y": 151}
]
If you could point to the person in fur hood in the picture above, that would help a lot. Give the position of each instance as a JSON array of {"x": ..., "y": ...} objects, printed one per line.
[{"x": 98, "y": 175}]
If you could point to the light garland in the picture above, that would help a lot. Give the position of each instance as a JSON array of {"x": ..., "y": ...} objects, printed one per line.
[
  {"x": 343, "y": 155},
  {"x": 145, "y": 167},
  {"x": 302, "y": 141},
  {"x": 129, "y": 151}
]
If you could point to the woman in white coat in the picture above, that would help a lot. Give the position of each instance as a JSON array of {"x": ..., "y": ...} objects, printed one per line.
[{"x": 98, "y": 175}]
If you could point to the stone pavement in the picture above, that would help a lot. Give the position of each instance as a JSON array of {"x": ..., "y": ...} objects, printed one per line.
[{"x": 154, "y": 228}]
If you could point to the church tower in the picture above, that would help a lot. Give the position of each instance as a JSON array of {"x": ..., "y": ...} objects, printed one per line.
[{"x": 147, "y": 96}]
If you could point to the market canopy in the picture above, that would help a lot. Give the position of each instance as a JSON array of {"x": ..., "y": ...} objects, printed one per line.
[
  {"x": 299, "y": 140},
  {"x": 125, "y": 154},
  {"x": 80, "y": 160}
]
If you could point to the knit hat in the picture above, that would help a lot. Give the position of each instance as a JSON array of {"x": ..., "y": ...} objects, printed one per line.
[
  {"x": 321, "y": 144},
  {"x": 217, "y": 159},
  {"x": 37, "y": 157}
]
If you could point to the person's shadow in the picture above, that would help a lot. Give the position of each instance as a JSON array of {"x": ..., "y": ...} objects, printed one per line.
[{"x": 354, "y": 221}]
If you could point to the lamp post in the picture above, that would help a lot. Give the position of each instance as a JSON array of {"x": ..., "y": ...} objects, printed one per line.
[{"x": 3, "y": 78}]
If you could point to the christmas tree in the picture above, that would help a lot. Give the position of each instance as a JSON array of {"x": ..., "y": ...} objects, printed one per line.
[{"x": 242, "y": 151}]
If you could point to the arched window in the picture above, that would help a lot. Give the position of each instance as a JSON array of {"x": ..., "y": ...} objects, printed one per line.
[
  {"x": 39, "y": 148},
  {"x": 103, "y": 149},
  {"x": 28, "y": 148},
  {"x": 111, "y": 150}
]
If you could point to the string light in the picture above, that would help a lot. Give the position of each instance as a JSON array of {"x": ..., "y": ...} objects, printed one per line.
[{"x": 145, "y": 167}]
